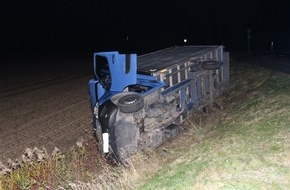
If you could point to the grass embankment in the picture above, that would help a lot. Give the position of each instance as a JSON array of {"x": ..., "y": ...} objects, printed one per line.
[{"x": 248, "y": 147}]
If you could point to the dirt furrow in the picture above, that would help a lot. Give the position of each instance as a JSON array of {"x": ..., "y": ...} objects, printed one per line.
[
  {"x": 61, "y": 129},
  {"x": 32, "y": 104}
]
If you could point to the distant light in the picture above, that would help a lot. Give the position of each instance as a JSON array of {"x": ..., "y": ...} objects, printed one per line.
[
  {"x": 127, "y": 38},
  {"x": 272, "y": 47},
  {"x": 184, "y": 40}
]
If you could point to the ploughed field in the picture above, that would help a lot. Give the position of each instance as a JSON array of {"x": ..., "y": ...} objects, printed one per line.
[{"x": 43, "y": 103}]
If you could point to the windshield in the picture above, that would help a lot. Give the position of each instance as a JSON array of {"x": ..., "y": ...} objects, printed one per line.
[{"x": 102, "y": 66}]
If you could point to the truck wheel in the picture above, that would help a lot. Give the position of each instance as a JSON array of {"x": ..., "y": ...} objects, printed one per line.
[
  {"x": 131, "y": 103},
  {"x": 123, "y": 140},
  {"x": 210, "y": 65}
]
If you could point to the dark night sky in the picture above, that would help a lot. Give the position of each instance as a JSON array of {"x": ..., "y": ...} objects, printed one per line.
[{"x": 92, "y": 25}]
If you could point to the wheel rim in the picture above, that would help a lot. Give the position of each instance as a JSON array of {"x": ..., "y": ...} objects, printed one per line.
[{"x": 130, "y": 100}]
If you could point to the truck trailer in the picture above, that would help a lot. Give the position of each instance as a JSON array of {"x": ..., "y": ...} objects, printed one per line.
[{"x": 140, "y": 102}]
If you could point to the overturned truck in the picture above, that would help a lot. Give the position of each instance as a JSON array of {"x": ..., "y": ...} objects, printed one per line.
[{"x": 139, "y": 102}]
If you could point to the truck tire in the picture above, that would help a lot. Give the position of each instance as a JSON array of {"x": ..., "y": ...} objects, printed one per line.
[
  {"x": 123, "y": 141},
  {"x": 210, "y": 65},
  {"x": 130, "y": 103}
]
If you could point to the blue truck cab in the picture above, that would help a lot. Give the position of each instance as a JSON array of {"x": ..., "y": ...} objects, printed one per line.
[{"x": 114, "y": 72}]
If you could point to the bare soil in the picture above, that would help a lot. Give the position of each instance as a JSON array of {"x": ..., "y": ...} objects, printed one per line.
[{"x": 43, "y": 106}]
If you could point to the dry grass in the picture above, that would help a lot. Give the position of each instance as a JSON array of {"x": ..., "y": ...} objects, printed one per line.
[
  {"x": 140, "y": 168},
  {"x": 39, "y": 170}
]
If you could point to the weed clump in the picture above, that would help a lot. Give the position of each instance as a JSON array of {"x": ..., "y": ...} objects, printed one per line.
[{"x": 37, "y": 169}]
